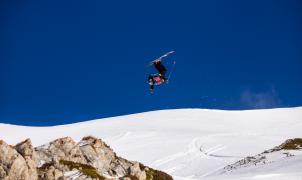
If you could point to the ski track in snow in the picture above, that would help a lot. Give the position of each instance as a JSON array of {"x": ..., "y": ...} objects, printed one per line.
[
  {"x": 121, "y": 136},
  {"x": 189, "y": 144},
  {"x": 191, "y": 148}
]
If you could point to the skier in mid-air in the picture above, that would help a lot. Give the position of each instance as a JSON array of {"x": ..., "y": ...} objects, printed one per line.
[{"x": 159, "y": 78}]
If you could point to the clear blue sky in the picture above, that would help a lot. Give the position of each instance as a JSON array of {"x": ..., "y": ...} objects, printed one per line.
[{"x": 70, "y": 61}]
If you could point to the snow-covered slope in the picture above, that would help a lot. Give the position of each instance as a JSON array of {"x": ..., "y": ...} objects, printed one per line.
[{"x": 187, "y": 143}]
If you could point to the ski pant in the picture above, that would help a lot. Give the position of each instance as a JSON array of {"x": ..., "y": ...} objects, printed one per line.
[{"x": 160, "y": 68}]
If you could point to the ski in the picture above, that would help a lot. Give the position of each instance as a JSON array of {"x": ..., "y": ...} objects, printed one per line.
[{"x": 161, "y": 57}]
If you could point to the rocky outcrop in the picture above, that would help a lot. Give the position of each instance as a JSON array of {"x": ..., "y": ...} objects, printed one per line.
[
  {"x": 286, "y": 150},
  {"x": 27, "y": 151},
  {"x": 63, "y": 158},
  {"x": 17, "y": 162}
]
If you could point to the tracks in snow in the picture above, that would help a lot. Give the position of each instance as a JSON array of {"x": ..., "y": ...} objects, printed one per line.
[{"x": 199, "y": 150}]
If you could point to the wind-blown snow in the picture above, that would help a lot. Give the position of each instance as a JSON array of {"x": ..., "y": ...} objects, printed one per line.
[{"x": 186, "y": 143}]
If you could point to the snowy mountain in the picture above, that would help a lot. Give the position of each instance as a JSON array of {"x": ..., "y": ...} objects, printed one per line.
[{"x": 188, "y": 143}]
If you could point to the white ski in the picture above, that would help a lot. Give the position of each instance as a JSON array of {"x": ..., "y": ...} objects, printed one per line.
[{"x": 161, "y": 57}]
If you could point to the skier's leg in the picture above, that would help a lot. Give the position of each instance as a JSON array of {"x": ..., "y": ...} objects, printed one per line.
[
  {"x": 160, "y": 67},
  {"x": 151, "y": 88}
]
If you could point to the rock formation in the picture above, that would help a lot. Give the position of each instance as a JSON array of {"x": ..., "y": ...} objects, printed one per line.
[{"x": 62, "y": 159}]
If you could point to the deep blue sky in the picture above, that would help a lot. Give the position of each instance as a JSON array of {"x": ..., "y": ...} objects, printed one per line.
[{"x": 70, "y": 61}]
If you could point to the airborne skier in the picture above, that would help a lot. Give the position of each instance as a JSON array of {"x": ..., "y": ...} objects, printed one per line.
[{"x": 160, "y": 77}]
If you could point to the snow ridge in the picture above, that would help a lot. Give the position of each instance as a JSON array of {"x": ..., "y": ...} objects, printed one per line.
[{"x": 188, "y": 143}]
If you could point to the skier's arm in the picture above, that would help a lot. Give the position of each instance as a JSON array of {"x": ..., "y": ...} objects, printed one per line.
[{"x": 151, "y": 88}]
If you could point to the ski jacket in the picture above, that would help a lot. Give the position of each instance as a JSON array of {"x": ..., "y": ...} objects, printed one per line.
[{"x": 157, "y": 80}]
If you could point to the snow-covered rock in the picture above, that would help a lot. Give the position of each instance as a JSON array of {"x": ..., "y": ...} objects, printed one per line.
[{"x": 286, "y": 151}]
